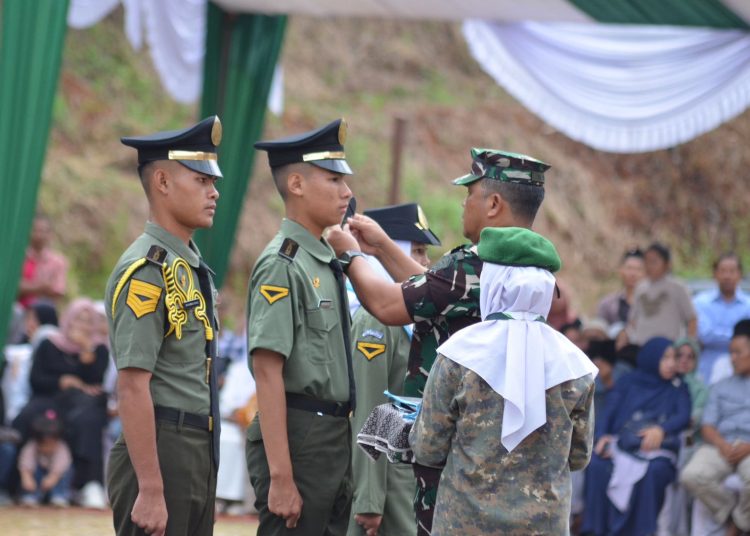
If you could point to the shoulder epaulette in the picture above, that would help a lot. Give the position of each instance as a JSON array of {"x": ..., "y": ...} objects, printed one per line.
[
  {"x": 288, "y": 249},
  {"x": 156, "y": 255}
]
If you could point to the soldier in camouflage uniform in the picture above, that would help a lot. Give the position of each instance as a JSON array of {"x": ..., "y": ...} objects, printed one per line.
[
  {"x": 507, "y": 409},
  {"x": 504, "y": 190},
  {"x": 382, "y": 490}
]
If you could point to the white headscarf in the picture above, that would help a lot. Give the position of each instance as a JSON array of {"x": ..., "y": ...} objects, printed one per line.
[{"x": 520, "y": 358}]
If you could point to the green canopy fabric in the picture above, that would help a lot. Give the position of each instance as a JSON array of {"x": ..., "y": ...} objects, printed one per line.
[
  {"x": 31, "y": 48},
  {"x": 241, "y": 55},
  {"x": 708, "y": 13}
]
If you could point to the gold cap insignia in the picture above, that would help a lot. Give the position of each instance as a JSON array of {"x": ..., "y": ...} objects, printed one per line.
[
  {"x": 216, "y": 131},
  {"x": 342, "y": 131},
  {"x": 422, "y": 223}
]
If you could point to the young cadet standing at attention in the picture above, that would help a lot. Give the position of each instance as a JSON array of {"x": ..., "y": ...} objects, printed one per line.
[
  {"x": 299, "y": 444},
  {"x": 383, "y": 491},
  {"x": 160, "y": 307},
  {"x": 503, "y": 190}
]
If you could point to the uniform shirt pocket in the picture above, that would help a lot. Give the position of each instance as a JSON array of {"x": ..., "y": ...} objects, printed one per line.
[{"x": 321, "y": 320}]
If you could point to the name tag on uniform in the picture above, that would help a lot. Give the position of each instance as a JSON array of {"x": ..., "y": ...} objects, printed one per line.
[
  {"x": 325, "y": 304},
  {"x": 190, "y": 304}
]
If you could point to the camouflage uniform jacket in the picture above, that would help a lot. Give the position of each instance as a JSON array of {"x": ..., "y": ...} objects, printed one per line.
[
  {"x": 441, "y": 301},
  {"x": 484, "y": 489}
]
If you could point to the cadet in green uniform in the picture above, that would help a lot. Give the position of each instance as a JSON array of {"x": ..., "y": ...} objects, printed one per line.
[
  {"x": 160, "y": 306},
  {"x": 503, "y": 190},
  {"x": 383, "y": 491},
  {"x": 299, "y": 445}
]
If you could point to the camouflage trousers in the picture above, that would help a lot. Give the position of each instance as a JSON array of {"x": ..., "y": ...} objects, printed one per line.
[{"x": 425, "y": 497}]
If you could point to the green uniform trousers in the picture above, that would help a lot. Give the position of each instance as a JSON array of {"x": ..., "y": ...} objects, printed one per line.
[
  {"x": 189, "y": 475},
  {"x": 320, "y": 450}
]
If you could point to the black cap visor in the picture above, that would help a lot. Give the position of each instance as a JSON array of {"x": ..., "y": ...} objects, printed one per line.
[
  {"x": 207, "y": 167},
  {"x": 337, "y": 166}
]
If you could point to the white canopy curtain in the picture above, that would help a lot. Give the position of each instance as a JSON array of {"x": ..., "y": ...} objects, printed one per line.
[
  {"x": 175, "y": 31},
  {"x": 618, "y": 88},
  {"x": 623, "y": 89}
]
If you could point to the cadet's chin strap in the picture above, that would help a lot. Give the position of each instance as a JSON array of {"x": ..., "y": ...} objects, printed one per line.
[
  {"x": 211, "y": 348},
  {"x": 338, "y": 272}
]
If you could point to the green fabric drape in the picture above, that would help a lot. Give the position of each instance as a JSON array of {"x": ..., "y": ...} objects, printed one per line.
[
  {"x": 31, "y": 44},
  {"x": 241, "y": 55},
  {"x": 708, "y": 13}
]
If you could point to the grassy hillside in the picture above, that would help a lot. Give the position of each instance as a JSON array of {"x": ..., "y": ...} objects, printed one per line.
[{"x": 368, "y": 71}]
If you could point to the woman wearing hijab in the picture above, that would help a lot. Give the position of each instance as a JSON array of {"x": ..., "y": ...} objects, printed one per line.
[
  {"x": 40, "y": 322},
  {"x": 508, "y": 405},
  {"x": 66, "y": 376},
  {"x": 635, "y": 457}
]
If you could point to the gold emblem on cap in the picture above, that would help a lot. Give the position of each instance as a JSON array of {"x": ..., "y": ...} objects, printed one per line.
[
  {"x": 422, "y": 224},
  {"x": 342, "y": 131},
  {"x": 191, "y": 155},
  {"x": 216, "y": 131},
  {"x": 325, "y": 155}
]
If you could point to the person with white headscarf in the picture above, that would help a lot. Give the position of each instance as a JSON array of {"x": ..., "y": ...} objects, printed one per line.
[{"x": 507, "y": 409}]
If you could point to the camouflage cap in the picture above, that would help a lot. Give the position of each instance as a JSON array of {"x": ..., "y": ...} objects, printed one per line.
[{"x": 504, "y": 166}]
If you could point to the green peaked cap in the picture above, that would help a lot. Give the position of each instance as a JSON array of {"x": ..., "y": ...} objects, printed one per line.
[{"x": 516, "y": 246}]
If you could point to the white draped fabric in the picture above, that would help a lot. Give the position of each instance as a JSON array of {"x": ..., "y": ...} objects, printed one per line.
[
  {"x": 175, "y": 31},
  {"x": 519, "y": 358},
  {"x": 617, "y": 88}
]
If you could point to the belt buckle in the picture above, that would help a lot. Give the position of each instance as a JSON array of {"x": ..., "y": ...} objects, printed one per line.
[{"x": 339, "y": 412}]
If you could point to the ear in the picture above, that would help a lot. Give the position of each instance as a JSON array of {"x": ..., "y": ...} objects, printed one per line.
[
  {"x": 295, "y": 182},
  {"x": 495, "y": 205},
  {"x": 160, "y": 180}
]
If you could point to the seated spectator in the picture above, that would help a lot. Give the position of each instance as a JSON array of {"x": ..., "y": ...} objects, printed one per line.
[
  {"x": 45, "y": 464},
  {"x": 636, "y": 446},
  {"x": 602, "y": 354},
  {"x": 562, "y": 311},
  {"x": 718, "y": 310},
  {"x": 66, "y": 376},
  {"x": 44, "y": 273},
  {"x": 726, "y": 433},
  {"x": 661, "y": 305},
  {"x": 614, "y": 308},
  {"x": 573, "y": 331},
  {"x": 688, "y": 357},
  {"x": 9, "y": 440},
  {"x": 39, "y": 321}
]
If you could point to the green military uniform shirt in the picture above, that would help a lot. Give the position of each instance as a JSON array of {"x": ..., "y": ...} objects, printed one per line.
[
  {"x": 294, "y": 309},
  {"x": 379, "y": 356},
  {"x": 141, "y": 333}
]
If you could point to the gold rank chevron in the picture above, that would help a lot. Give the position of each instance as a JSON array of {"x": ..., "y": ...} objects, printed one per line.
[
  {"x": 273, "y": 294},
  {"x": 370, "y": 349},
  {"x": 143, "y": 298}
]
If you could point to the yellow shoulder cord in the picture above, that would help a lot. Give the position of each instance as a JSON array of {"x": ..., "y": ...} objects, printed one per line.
[{"x": 124, "y": 279}]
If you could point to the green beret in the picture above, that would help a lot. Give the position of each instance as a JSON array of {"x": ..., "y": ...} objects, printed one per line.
[
  {"x": 504, "y": 166},
  {"x": 516, "y": 246}
]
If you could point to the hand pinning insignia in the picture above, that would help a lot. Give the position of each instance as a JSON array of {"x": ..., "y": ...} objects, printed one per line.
[
  {"x": 370, "y": 349},
  {"x": 273, "y": 294},
  {"x": 143, "y": 298}
]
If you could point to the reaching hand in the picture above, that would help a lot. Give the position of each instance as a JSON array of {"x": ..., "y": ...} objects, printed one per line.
[
  {"x": 369, "y": 234},
  {"x": 341, "y": 240}
]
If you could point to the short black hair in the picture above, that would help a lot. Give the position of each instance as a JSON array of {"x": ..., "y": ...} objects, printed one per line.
[
  {"x": 632, "y": 253},
  {"x": 524, "y": 199},
  {"x": 144, "y": 173},
  {"x": 742, "y": 328},
  {"x": 46, "y": 426},
  {"x": 729, "y": 255},
  {"x": 660, "y": 249}
]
